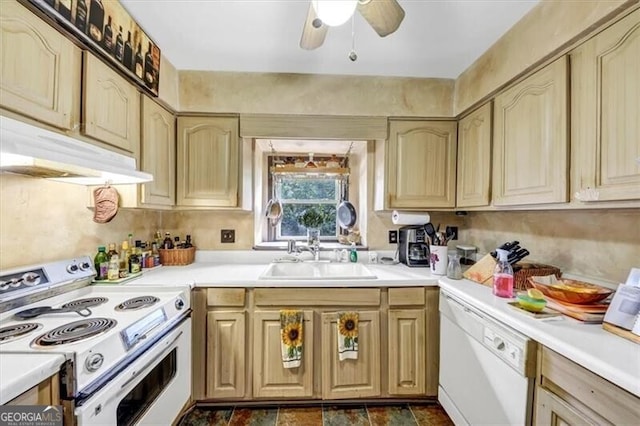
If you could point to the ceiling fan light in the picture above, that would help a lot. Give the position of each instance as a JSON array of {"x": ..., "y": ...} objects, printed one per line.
[{"x": 334, "y": 12}]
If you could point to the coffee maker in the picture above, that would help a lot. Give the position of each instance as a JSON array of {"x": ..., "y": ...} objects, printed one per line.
[{"x": 413, "y": 249}]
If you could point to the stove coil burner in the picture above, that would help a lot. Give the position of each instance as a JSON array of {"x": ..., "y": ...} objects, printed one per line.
[
  {"x": 74, "y": 331},
  {"x": 12, "y": 332},
  {"x": 137, "y": 303},
  {"x": 89, "y": 302}
]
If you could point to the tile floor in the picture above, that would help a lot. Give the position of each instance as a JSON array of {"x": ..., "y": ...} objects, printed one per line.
[{"x": 325, "y": 415}]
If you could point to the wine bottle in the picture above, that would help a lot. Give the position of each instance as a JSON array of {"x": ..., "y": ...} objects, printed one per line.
[
  {"x": 119, "y": 45},
  {"x": 149, "y": 72},
  {"x": 96, "y": 20},
  {"x": 127, "y": 59},
  {"x": 138, "y": 65},
  {"x": 64, "y": 9},
  {"x": 108, "y": 36},
  {"x": 81, "y": 16}
]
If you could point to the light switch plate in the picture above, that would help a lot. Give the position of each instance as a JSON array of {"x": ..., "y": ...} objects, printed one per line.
[
  {"x": 393, "y": 237},
  {"x": 228, "y": 236}
]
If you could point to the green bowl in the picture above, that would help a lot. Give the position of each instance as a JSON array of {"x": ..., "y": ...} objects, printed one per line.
[{"x": 530, "y": 304}]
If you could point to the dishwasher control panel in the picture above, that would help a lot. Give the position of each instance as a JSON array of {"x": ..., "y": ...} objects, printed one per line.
[{"x": 501, "y": 345}]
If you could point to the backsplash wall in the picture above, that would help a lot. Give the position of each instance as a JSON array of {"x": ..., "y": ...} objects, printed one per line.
[
  {"x": 591, "y": 243},
  {"x": 44, "y": 221}
]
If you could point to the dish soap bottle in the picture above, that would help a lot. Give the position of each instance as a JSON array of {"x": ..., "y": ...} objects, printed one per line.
[
  {"x": 353, "y": 253},
  {"x": 503, "y": 276}
]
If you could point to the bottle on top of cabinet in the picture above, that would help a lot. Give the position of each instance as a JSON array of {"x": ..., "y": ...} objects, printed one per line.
[
  {"x": 101, "y": 263},
  {"x": 125, "y": 252},
  {"x": 114, "y": 268},
  {"x": 167, "y": 243},
  {"x": 503, "y": 276}
]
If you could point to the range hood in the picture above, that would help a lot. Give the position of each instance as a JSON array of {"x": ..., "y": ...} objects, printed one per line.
[{"x": 29, "y": 150}]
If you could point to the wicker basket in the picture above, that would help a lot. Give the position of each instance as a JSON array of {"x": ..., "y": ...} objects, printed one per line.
[
  {"x": 520, "y": 277},
  {"x": 177, "y": 257}
]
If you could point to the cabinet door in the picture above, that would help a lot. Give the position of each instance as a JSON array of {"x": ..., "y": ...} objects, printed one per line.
[
  {"x": 111, "y": 107},
  {"x": 421, "y": 164},
  {"x": 40, "y": 68},
  {"x": 270, "y": 378},
  {"x": 158, "y": 154},
  {"x": 225, "y": 354},
  {"x": 551, "y": 410},
  {"x": 605, "y": 107},
  {"x": 406, "y": 352},
  {"x": 351, "y": 378},
  {"x": 530, "y": 139},
  {"x": 208, "y": 158},
  {"x": 474, "y": 158},
  {"x": 46, "y": 392}
]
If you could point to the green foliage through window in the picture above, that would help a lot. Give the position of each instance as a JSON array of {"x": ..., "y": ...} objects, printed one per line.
[{"x": 298, "y": 194}]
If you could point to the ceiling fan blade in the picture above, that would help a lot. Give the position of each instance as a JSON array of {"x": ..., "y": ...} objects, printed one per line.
[
  {"x": 313, "y": 32},
  {"x": 384, "y": 16}
]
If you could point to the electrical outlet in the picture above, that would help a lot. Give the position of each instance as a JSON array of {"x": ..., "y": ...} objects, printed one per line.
[
  {"x": 393, "y": 237},
  {"x": 228, "y": 236},
  {"x": 453, "y": 230}
]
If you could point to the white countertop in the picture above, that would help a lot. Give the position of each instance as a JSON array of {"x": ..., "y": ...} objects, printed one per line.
[
  {"x": 247, "y": 275},
  {"x": 610, "y": 356},
  {"x": 20, "y": 372}
]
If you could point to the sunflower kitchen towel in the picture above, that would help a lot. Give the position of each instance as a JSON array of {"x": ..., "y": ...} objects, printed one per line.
[
  {"x": 291, "y": 329},
  {"x": 347, "y": 335}
]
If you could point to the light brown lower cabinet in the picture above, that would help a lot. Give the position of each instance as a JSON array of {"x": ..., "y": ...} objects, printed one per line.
[
  {"x": 225, "y": 354},
  {"x": 569, "y": 394},
  {"x": 270, "y": 378},
  {"x": 237, "y": 337},
  {"x": 46, "y": 392},
  {"x": 407, "y": 364},
  {"x": 351, "y": 378}
]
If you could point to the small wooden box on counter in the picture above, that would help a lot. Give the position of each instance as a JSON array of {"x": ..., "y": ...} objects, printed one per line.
[
  {"x": 482, "y": 272},
  {"x": 177, "y": 257}
]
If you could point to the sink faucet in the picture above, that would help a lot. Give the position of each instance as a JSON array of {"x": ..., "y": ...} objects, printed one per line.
[{"x": 312, "y": 248}]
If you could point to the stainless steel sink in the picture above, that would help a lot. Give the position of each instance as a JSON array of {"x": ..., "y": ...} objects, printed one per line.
[{"x": 317, "y": 271}]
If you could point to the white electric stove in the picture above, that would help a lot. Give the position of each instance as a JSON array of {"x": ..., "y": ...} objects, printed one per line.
[{"x": 114, "y": 338}]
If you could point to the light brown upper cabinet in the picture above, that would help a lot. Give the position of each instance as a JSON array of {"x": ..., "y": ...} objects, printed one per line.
[
  {"x": 531, "y": 139},
  {"x": 421, "y": 164},
  {"x": 111, "y": 107},
  {"x": 605, "y": 128},
  {"x": 208, "y": 161},
  {"x": 40, "y": 68},
  {"x": 158, "y": 154},
  {"x": 474, "y": 158}
]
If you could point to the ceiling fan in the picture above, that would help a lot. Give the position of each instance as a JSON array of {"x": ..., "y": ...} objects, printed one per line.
[{"x": 384, "y": 16}]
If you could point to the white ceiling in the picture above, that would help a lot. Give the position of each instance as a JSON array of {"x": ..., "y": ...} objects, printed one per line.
[{"x": 436, "y": 39}]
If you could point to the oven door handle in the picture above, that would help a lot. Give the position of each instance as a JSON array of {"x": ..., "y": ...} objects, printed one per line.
[{"x": 136, "y": 373}]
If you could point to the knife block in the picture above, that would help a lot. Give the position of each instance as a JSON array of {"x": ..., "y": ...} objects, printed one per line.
[{"x": 482, "y": 272}]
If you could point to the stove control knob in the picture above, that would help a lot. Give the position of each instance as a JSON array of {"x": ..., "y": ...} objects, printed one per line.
[
  {"x": 94, "y": 362},
  {"x": 84, "y": 266},
  {"x": 72, "y": 269},
  {"x": 179, "y": 303}
]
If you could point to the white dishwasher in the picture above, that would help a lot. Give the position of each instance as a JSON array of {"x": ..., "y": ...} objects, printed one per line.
[{"x": 487, "y": 369}]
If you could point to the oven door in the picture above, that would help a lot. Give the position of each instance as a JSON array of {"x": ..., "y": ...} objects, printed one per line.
[{"x": 152, "y": 390}]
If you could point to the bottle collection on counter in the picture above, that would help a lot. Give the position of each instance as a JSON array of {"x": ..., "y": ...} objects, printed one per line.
[{"x": 135, "y": 255}]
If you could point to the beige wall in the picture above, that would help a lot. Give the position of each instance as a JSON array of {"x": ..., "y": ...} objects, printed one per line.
[
  {"x": 225, "y": 92},
  {"x": 44, "y": 221},
  {"x": 544, "y": 30},
  {"x": 593, "y": 243},
  {"x": 168, "y": 90},
  {"x": 204, "y": 227}
]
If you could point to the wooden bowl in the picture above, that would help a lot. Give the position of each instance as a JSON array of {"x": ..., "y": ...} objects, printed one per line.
[{"x": 573, "y": 291}]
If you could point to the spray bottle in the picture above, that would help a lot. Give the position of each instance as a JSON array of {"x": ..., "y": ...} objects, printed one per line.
[{"x": 503, "y": 276}]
